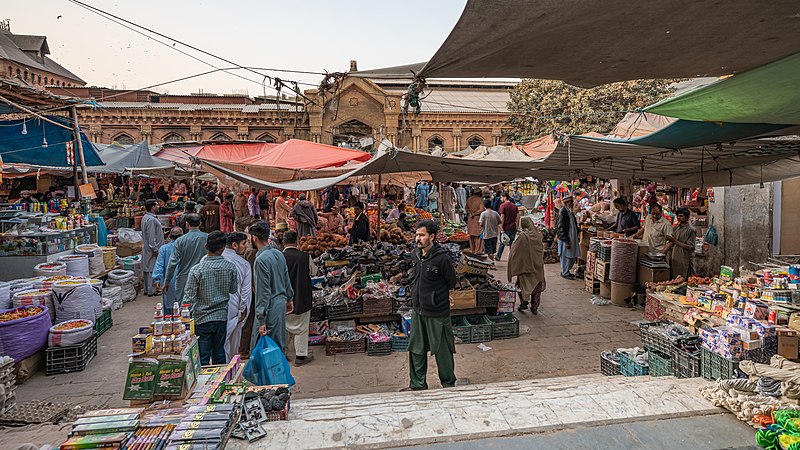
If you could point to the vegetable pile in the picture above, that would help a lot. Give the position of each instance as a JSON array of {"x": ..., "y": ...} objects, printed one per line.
[
  {"x": 72, "y": 325},
  {"x": 20, "y": 313},
  {"x": 319, "y": 244}
]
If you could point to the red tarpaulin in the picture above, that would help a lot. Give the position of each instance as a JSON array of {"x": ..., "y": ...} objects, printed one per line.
[
  {"x": 299, "y": 154},
  {"x": 216, "y": 152}
]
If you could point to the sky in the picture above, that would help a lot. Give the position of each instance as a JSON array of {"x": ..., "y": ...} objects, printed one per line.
[{"x": 309, "y": 35}]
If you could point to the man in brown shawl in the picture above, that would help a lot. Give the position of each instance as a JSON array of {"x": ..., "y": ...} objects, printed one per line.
[
  {"x": 527, "y": 264},
  {"x": 474, "y": 210},
  {"x": 306, "y": 216}
]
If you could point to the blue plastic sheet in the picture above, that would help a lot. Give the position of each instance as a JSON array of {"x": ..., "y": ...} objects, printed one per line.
[{"x": 268, "y": 365}]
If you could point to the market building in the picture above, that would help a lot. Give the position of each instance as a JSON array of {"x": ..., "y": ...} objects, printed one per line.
[{"x": 26, "y": 57}]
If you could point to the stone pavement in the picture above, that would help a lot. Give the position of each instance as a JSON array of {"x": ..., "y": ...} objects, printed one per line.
[{"x": 482, "y": 411}]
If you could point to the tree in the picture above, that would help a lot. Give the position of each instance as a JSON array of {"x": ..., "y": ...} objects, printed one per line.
[{"x": 540, "y": 107}]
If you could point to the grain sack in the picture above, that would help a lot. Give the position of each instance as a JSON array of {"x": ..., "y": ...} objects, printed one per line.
[
  {"x": 77, "y": 265},
  {"x": 23, "y": 331},
  {"x": 77, "y": 299},
  {"x": 126, "y": 280},
  {"x": 5, "y": 295},
  {"x": 109, "y": 257},
  {"x": 53, "y": 269},
  {"x": 114, "y": 296},
  {"x": 47, "y": 283},
  {"x": 71, "y": 332},
  {"x": 34, "y": 297},
  {"x": 95, "y": 254}
]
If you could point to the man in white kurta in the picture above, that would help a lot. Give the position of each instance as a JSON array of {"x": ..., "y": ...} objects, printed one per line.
[
  {"x": 239, "y": 306},
  {"x": 152, "y": 240}
]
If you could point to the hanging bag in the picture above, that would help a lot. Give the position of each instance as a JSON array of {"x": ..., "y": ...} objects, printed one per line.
[{"x": 267, "y": 364}]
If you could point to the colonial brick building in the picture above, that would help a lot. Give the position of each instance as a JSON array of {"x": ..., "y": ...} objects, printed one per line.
[{"x": 25, "y": 57}]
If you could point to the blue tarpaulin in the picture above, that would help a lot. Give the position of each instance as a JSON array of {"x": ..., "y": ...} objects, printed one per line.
[{"x": 30, "y": 148}]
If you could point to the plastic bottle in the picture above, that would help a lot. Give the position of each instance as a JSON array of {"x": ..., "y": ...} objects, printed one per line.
[
  {"x": 186, "y": 316},
  {"x": 176, "y": 310},
  {"x": 158, "y": 326}
]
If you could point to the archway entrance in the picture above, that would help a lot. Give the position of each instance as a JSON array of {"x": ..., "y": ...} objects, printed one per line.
[{"x": 353, "y": 134}]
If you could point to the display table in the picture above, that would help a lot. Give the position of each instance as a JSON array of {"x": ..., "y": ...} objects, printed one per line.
[{"x": 20, "y": 254}]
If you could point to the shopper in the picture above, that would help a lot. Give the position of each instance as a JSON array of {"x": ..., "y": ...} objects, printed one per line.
[
  {"x": 656, "y": 229},
  {"x": 162, "y": 194},
  {"x": 210, "y": 216},
  {"x": 509, "y": 214},
  {"x": 201, "y": 202},
  {"x": 682, "y": 244},
  {"x": 490, "y": 224},
  {"x": 448, "y": 199},
  {"x": 242, "y": 225},
  {"x": 301, "y": 268},
  {"x": 526, "y": 262},
  {"x": 239, "y": 304},
  {"x": 282, "y": 208},
  {"x": 208, "y": 288},
  {"x": 226, "y": 215},
  {"x": 253, "y": 206},
  {"x": 164, "y": 254},
  {"x": 305, "y": 215},
  {"x": 422, "y": 195},
  {"x": 433, "y": 198},
  {"x": 180, "y": 221},
  {"x": 263, "y": 205},
  {"x": 474, "y": 209},
  {"x": 273, "y": 289},
  {"x": 359, "y": 232},
  {"x": 567, "y": 232},
  {"x": 434, "y": 277},
  {"x": 240, "y": 206},
  {"x": 188, "y": 250},
  {"x": 627, "y": 223},
  {"x": 152, "y": 240}
]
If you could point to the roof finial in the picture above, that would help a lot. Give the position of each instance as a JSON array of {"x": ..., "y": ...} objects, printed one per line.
[{"x": 353, "y": 65}]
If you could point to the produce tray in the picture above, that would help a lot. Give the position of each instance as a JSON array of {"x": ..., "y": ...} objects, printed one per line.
[
  {"x": 346, "y": 347},
  {"x": 716, "y": 367},
  {"x": 379, "y": 348},
  {"x": 460, "y": 330},
  {"x": 660, "y": 364},
  {"x": 480, "y": 328},
  {"x": 486, "y": 298},
  {"x": 609, "y": 366},
  {"x": 630, "y": 368},
  {"x": 344, "y": 311},
  {"x": 73, "y": 358},
  {"x": 504, "y": 327},
  {"x": 103, "y": 323},
  {"x": 400, "y": 343}
]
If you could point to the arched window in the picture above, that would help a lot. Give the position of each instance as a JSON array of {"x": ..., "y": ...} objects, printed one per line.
[
  {"x": 123, "y": 139},
  {"x": 172, "y": 137},
  {"x": 45, "y": 81},
  {"x": 475, "y": 142},
  {"x": 10, "y": 71},
  {"x": 18, "y": 73},
  {"x": 220, "y": 137},
  {"x": 39, "y": 79},
  {"x": 25, "y": 75},
  {"x": 58, "y": 82},
  {"x": 266, "y": 137},
  {"x": 434, "y": 142}
]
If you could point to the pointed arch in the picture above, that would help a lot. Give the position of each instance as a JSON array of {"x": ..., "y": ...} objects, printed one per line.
[
  {"x": 435, "y": 141},
  {"x": 123, "y": 139},
  {"x": 475, "y": 141},
  {"x": 172, "y": 137},
  {"x": 266, "y": 137},
  {"x": 220, "y": 137}
]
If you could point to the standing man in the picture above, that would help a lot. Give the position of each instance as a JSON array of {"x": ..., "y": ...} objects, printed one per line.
[
  {"x": 240, "y": 206},
  {"x": 656, "y": 229},
  {"x": 490, "y": 224},
  {"x": 273, "y": 289},
  {"x": 448, "y": 199},
  {"x": 239, "y": 304},
  {"x": 226, "y": 215},
  {"x": 301, "y": 268},
  {"x": 474, "y": 210},
  {"x": 509, "y": 213},
  {"x": 282, "y": 208},
  {"x": 627, "y": 222},
  {"x": 682, "y": 244},
  {"x": 189, "y": 249},
  {"x": 567, "y": 232},
  {"x": 164, "y": 254},
  {"x": 253, "y": 206},
  {"x": 208, "y": 289},
  {"x": 180, "y": 221},
  {"x": 433, "y": 278},
  {"x": 306, "y": 216},
  {"x": 210, "y": 216},
  {"x": 152, "y": 240},
  {"x": 461, "y": 197},
  {"x": 359, "y": 232}
]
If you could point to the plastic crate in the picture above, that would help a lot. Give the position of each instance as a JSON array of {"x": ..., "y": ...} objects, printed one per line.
[
  {"x": 480, "y": 328},
  {"x": 345, "y": 347},
  {"x": 400, "y": 343},
  {"x": 630, "y": 368},
  {"x": 103, "y": 323},
  {"x": 378, "y": 348},
  {"x": 487, "y": 298},
  {"x": 716, "y": 367},
  {"x": 381, "y": 306},
  {"x": 660, "y": 364},
  {"x": 400, "y": 302},
  {"x": 277, "y": 416},
  {"x": 73, "y": 358},
  {"x": 460, "y": 330},
  {"x": 609, "y": 363},
  {"x": 344, "y": 311},
  {"x": 504, "y": 327},
  {"x": 655, "y": 337},
  {"x": 318, "y": 313},
  {"x": 685, "y": 364}
]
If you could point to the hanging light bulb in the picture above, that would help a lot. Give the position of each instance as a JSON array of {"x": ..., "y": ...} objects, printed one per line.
[
  {"x": 44, "y": 142},
  {"x": 24, "y": 128}
]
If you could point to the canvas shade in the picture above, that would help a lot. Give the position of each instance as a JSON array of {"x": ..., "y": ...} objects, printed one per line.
[
  {"x": 768, "y": 94},
  {"x": 135, "y": 159},
  {"x": 588, "y": 43},
  {"x": 235, "y": 152},
  {"x": 299, "y": 154},
  {"x": 29, "y": 148}
]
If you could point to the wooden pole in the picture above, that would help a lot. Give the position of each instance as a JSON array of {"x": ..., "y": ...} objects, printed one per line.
[
  {"x": 380, "y": 213},
  {"x": 79, "y": 144}
]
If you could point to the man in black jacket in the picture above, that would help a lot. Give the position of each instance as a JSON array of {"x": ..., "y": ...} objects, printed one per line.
[
  {"x": 301, "y": 268},
  {"x": 359, "y": 232},
  {"x": 567, "y": 231},
  {"x": 433, "y": 278}
]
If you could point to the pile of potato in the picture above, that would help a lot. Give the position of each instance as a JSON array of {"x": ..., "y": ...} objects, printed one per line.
[
  {"x": 322, "y": 242},
  {"x": 390, "y": 233}
]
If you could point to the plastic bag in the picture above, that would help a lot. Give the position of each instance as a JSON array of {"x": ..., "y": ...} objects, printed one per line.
[
  {"x": 267, "y": 364},
  {"x": 711, "y": 235},
  {"x": 129, "y": 236}
]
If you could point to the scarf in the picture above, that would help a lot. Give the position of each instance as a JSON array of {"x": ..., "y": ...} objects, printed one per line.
[{"x": 527, "y": 257}]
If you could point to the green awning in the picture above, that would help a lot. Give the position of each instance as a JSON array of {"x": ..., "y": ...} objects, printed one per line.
[{"x": 768, "y": 94}]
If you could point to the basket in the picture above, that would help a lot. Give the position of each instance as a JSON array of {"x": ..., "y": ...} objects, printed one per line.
[
  {"x": 504, "y": 327},
  {"x": 277, "y": 416},
  {"x": 716, "y": 367},
  {"x": 400, "y": 343},
  {"x": 109, "y": 257},
  {"x": 378, "y": 348},
  {"x": 480, "y": 328},
  {"x": 377, "y": 306},
  {"x": 660, "y": 364},
  {"x": 630, "y": 368},
  {"x": 345, "y": 311},
  {"x": 103, "y": 322},
  {"x": 609, "y": 363},
  {"x": 685, "y": 364},
  {"x": 460, "y": 330},
  {"x": 345, "y": 347},
  {"x": 487, "y": 298},
  {"x": 74, "y": 358},
  {"x": 318, "y": 313}
]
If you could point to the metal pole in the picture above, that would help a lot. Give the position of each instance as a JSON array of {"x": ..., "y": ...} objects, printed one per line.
[
  {"x": 380, "y": 214},
  {"x": 79, "y": 144}
]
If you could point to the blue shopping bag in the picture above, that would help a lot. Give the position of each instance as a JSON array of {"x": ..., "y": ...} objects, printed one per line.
[{"x": 267, "y": 364}]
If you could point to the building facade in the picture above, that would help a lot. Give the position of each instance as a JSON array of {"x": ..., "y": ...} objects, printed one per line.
[{"x": 25, "y": 57}]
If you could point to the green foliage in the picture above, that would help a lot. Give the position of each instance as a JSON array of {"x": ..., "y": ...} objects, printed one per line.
[{"x": 540, "y": 107}]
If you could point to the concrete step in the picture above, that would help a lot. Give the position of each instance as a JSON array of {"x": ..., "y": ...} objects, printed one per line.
[{"x": 481, "y": 411}]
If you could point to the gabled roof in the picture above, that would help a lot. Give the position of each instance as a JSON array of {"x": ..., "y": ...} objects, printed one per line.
[{"x": 23, "y": 49}]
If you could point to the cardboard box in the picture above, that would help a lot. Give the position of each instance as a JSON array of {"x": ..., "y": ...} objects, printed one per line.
[
  {"x": 788, "y": 343},
  {"x": 650, "y": 275},
  {"x": 752, "y": 345},
  {"x": 794, "y": 321},
  {"x": 142, "y": 343}
]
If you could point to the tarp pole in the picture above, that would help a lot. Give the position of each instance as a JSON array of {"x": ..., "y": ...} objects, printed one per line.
[
  {"x": 79, "y": 144},
  {"x": 380, "y": 213}
]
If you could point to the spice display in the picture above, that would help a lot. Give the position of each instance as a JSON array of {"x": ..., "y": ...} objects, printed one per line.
[{"x": 20, "y": 313}]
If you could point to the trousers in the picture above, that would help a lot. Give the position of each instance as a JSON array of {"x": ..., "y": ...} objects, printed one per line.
[
  {"x": 211, "y": 342},
  {"x": 566, "y": 262},
  {"x": 297, "y": 329},
  {"x": 511, "y": 236},
  {"x": 147, "y": 279},
  {"x": 435, "y": 335}
]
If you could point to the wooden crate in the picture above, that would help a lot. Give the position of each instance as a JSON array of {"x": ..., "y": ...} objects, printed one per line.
[{"x": 601, "y": 269}]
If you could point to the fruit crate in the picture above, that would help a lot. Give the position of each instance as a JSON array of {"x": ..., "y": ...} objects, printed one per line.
[
  {"x": 379, "y": 348},
  {"x": 630, "y": 368},
  {"x": 660, "y": 364},
  {"x": 609, "y": 363},
  {"x": 716, "y": 367},
  {"x": 345, "y": 347},
  {"x": 344, "y": 311},
  {"x": 504, "y": 327},
  {"x": 103, "y": 323},
  {"x": 460, "y": 330},
  {"x": 72, "y": 358},
  {"x": 480, "y": 328},
  {"x": 685, "y": 364},
  {"x": 277, "y": 416},
  {"x": 400, "y": 343},
  {"x": 487, "y": 298}
]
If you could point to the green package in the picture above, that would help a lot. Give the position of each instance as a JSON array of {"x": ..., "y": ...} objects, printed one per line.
[
  {"x": 141, "y": 381},
  {"x": 170, "y": 379}
]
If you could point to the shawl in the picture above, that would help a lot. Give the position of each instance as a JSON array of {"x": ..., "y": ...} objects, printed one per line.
[{"x": 527, "y": 258}]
